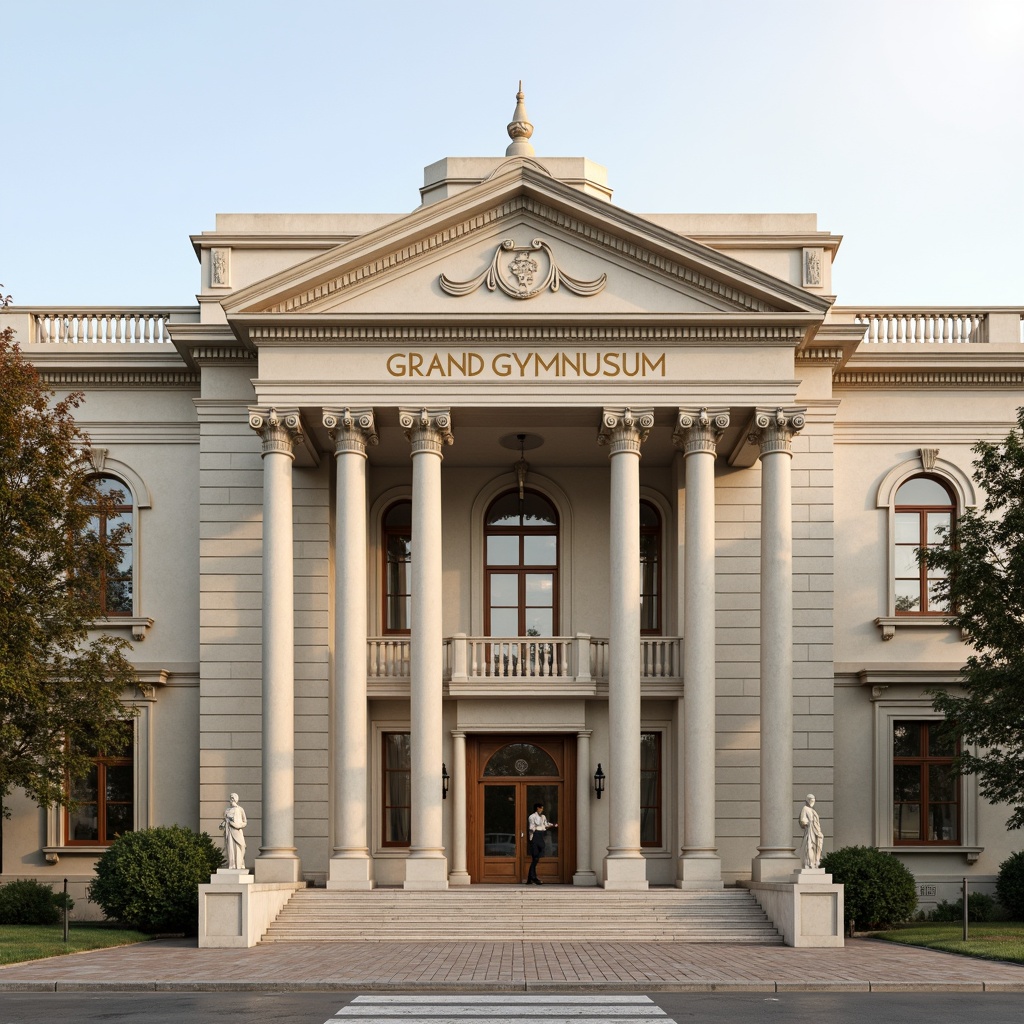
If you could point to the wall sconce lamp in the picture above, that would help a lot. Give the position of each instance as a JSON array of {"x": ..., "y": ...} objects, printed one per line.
[
  {"x": 445, "y": 780},
  {"x": 599, "y": 781}
]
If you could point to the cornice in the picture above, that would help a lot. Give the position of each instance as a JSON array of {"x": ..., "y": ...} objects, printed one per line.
[
  {"x": 121, "y": 378},
  {"x": 202, "y": 344},
  {"x": 811, "y": 240},
  {"x": 874, "y": 379},
  {"x": 736, "y": 329}
]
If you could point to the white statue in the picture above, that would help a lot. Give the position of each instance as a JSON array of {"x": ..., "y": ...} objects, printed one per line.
[
  {"x": 231, "y": 825},
  {"x": 810, "y": 849}
]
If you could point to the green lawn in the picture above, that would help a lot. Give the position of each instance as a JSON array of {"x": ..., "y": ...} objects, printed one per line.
[
  {"x": 20, "y": 942},
  {"x": 998, "y": 940}
]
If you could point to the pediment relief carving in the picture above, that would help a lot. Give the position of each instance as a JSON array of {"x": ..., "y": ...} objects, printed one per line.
[
  {"x": 353, "y": 276},
  {"x": 523, "y": 272}
]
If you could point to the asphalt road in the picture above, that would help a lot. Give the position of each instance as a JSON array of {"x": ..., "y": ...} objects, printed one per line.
[{"x": 318, "y": 1008}]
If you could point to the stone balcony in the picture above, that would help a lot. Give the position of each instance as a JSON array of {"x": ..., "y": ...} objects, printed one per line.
[{"x": 559, "y": 666}]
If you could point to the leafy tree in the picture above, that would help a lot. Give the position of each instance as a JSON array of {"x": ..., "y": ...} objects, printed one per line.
[
  {"x": 59, "y": 690},
  {"x": 984, "y": 587}
]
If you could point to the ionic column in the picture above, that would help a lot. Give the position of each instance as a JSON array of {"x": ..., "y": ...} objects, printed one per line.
[
  {"x": 584, "y": 792},
  {"x": 459, "y": 874},
  {"x": 428, "y": 431},
  {"x": 697, "y": 434},
  {"x": 277, "y": 861},
  {"x": 773, "y": 431},
  {"x": 350, "y": 866},
  {"x": 624, "y": 431}
]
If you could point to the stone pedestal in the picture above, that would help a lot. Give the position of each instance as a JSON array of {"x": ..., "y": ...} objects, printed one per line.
[
  {"x": 235, "y": 910},
  {"x": 808, "y": 910}
]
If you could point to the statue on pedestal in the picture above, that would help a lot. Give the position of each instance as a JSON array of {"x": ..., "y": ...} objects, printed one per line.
[
  {"x": 810, "y": 849},
  {"x": 231, "y": 825}
]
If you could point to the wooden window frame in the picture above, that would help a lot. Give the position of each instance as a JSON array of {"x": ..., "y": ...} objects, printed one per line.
[
  {"x": 102, "y": 763},
  {"x": 127, "y": 509},
  {"x": 521, "y": 569},
  {"x": 659, "y": 805},
  {"x": 654, "y": 531},
  {"x": 923, "y": 762},
  {"x": 921, "y": 511},
  {"x": 385, "y": 790},
  {"x": 386, "y": 534}
]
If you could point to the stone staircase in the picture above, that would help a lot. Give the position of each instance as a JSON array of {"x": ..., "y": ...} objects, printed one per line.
[{"x": 506, "y": 913}]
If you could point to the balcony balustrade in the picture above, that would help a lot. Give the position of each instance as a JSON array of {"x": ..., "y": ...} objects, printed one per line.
[{"x": 496, "y": 663}]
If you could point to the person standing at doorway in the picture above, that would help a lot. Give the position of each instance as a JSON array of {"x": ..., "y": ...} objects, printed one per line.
[{"x": 538, "y": 832}]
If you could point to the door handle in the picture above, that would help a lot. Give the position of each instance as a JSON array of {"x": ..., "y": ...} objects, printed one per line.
[{"x": 521, "y": 834}]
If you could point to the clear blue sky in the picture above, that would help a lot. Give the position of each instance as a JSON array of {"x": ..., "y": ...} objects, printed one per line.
[{"x": 130, "y": 123}]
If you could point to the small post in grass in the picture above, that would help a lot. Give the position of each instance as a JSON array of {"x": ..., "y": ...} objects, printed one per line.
[
  {"x": 965, "y": 908},
  {"x": 65, "y": 911}
]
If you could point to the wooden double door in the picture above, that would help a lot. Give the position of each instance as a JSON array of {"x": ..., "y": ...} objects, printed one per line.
[{"x": 507, "y": 776}]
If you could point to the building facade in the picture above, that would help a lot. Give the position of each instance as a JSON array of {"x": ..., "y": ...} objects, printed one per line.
[{"x": 522, "y": 498}]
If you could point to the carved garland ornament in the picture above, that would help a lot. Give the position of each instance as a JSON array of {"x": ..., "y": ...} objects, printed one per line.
[{"x": 517, "y": 276}]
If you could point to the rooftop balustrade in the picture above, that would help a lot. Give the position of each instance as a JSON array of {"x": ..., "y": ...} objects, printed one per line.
[
  {"x": 893, "y": 326},
  {"x": 97, "y": 328}
]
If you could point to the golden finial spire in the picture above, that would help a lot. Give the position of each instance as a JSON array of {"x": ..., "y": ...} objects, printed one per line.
[{"x": 519, "y": 128}]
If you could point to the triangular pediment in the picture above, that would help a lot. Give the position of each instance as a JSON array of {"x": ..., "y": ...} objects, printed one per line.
[{"x": 520, "y": 244}]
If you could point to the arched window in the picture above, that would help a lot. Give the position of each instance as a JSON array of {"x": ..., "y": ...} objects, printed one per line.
[
  {"x": 924, "y": 513},
  {"x": 650, "y": 569},
  {"x": 112, "y": 521},
  {"x": 521, "y": 566},
  {"x": 397, "y": 537},
  {"x": 519, "y": 759}
]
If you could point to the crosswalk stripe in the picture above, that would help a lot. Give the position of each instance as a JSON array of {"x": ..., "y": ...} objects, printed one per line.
[
  {"x": 501, "y": 1008},
  {"x": 398, "y": 1010},
  {"x": 505, "y": 998}
]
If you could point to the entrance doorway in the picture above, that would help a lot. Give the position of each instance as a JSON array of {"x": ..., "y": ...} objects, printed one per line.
[{"x": 507, "y": 776}]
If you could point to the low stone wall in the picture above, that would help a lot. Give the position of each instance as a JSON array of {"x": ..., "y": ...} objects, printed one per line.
[
  {"x": 235, "y": 912},
  {"x": 807, "y": 913}
]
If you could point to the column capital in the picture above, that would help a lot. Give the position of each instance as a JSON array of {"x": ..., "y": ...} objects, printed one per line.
[
  {"x": 351, "y": 430},
  {"x": 700, "y": 429},
  {"x": 773, "y": 429},
  {"x": 624, "y": 429},
  {"x": 428, "y": 430},
  {"x": 279, "y": 429}
]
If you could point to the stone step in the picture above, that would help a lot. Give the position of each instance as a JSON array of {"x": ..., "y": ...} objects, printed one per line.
[{"x": 555, "y": 914}]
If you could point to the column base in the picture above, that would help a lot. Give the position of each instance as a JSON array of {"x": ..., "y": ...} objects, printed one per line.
[
  {"x": 350, "y": 872},
  {"x": 277, "y": 868},
  {"x": 774, "y": 865},
  {"x": 459, "y": 878},
  {"x": 699, "y": 871},
  {"x": 585, "y": 878},
  {"x": 625, "y": 873},
  {"x": 426, "y": 873}
]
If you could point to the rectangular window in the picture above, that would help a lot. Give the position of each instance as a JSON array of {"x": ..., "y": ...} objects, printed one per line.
[
  {"x": 105, "y": 800},
  {"x": 397, "y": 779},
  {"x": 925, "y": 791},
  {"x": 650, "y": 789}
]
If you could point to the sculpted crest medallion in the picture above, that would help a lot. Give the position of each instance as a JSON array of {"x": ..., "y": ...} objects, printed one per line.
[{"x": 523, "y": 271}]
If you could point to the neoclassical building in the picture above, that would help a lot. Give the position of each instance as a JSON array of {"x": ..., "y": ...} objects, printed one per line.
[{"x": 523, "y": 498}]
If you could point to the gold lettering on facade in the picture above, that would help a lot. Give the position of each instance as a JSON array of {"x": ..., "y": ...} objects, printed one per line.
[{"x": 526, "y": 364}]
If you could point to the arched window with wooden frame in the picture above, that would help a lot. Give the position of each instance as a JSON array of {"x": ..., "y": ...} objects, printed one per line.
[
  {"x": 396, "y": 533},
  {"x": 521, "y": 566},
  {"x": 925, "y": 510},
  {"x": 650, "y": 570},
  {"x": 111, "y": 523}
]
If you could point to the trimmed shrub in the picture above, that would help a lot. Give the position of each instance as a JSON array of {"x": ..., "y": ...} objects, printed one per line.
[
  {"x": 26, "y": 901},
  {"x": 1010, "y": 885},
  {"x": 980, "y": 907},
  {"x": 879, "y": 890},
  {"x": 149, "y": 879}
]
